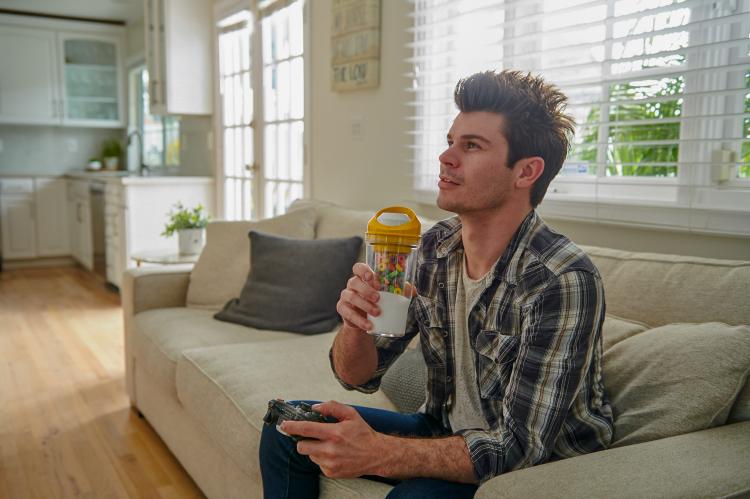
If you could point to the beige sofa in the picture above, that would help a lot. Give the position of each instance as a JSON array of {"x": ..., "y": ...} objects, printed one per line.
[{"x": 203, "y": 384}]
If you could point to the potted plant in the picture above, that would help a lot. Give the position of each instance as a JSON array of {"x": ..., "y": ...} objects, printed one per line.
[
  {"x": 111, "y": 152},
  {"x": 189, "y": 225}
]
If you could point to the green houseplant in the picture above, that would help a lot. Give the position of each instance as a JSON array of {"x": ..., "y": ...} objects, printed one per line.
[
  {"x": 188, "y": 223},
  {"x": 111, "y": 152}
]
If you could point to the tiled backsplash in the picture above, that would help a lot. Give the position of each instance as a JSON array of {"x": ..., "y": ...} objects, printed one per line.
[
  {"x": 49, "y": 149},
  {"x": 56, "y": 150}
]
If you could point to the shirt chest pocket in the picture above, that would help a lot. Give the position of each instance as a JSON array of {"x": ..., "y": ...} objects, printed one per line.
[
  {"x": 430, "y": 316},
  {"x": 497, "y": 355}
]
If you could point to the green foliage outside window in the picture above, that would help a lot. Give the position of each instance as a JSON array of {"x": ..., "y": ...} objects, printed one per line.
[
  {"x": 744, "y": 171},
  {"x": 623, "y": 157}
]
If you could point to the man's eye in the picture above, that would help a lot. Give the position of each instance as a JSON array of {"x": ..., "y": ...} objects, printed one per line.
[
  {"x": 450, "y": 143},
  {"x": 472, "y": 145}
]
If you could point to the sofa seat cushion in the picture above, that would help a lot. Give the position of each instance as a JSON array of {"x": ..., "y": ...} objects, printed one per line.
[
  {"x": 227, "y": 388},
  {"x": 161, "y": 335}
]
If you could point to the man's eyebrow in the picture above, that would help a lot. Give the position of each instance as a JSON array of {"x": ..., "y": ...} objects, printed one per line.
[{"x": 471, "y": 136}]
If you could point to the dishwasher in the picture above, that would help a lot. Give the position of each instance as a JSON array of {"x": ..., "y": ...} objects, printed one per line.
[{"x": 96, "y": 193}]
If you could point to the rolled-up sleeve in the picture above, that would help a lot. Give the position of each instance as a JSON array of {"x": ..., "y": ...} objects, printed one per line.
[
  {"x": 558, "y": 339},
  {"x": 389, "y": 349}
]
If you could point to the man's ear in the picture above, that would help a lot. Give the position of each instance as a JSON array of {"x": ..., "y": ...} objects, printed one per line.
[{"x": 529, "y": 170}]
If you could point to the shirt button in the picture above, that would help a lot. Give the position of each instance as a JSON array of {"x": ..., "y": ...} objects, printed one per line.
[
  {"x": 441, "y": 285},
  {"x": 448, "y": 379},
  {"x": 445, "y": 333}
]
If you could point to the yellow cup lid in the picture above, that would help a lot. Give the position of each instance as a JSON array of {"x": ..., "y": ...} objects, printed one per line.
[{"x": 394, "y": 224}]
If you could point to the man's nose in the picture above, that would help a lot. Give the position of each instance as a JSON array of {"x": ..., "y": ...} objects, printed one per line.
[{"x": 447, "y": 158}]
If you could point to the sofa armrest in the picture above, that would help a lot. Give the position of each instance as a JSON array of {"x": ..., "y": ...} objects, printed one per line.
[
  {"x": 707, "y": 463},
  {"x": 146, "y": 289}
]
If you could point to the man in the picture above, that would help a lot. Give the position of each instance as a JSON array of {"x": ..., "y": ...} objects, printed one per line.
[{"x": 509, "y": 315}]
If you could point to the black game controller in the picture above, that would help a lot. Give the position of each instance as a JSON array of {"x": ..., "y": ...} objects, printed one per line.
[{"x": 279, "y": 411}]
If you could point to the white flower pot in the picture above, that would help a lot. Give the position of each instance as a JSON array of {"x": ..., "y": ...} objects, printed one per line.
[
  {"x": 111, "y": 163},
  {"x": 191, "y": 241}
]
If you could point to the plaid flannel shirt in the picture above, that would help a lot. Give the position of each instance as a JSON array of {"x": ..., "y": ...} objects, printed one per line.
[{"x": 536, "y": 337}]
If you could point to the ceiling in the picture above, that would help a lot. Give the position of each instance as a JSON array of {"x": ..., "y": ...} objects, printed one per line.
[{"x": 120, "y": 10}]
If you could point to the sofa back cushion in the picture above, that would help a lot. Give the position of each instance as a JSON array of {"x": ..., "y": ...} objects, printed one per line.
[
  {"x": 335, "y": 221},
  {"x": 224, "y": 263},
  {"x": 675, "y": 379},
  {"x": 664, "y": 289}
]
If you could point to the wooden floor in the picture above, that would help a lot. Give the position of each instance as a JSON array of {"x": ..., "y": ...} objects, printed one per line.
[{"x": 66, "y": 427}]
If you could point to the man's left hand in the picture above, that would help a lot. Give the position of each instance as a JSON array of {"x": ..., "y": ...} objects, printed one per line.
[{"x": 347, "y": 449}]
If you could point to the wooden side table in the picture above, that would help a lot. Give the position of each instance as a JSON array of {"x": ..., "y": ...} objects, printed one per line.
[{"x": 162, "y": 258}]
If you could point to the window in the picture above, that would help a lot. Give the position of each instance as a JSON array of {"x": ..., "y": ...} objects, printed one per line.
[
  {"x": 262, "y": 90},
  {"x": 743, "y": 170},
  {"x": 161, "y": 134},
  {"x": 658, "y": 88}
]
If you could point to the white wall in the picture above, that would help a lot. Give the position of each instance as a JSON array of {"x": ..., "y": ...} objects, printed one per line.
[{"x": 374, "y": 171}]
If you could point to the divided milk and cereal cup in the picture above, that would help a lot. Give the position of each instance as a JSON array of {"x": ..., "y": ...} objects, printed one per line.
[{"x": 392, "y": 240}]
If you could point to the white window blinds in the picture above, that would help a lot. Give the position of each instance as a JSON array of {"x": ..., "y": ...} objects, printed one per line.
[{"x": 659, "y": 88}]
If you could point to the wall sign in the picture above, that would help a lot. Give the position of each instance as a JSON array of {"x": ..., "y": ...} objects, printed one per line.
[{"x": 355, "y": 44}]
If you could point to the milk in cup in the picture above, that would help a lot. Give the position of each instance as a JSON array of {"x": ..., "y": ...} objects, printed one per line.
[{"x": 392, "y": 239}]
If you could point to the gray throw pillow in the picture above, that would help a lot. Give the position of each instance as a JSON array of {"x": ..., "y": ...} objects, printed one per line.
[
  {"x": 293, "y": 284},
  {"x": 405, "y": 382}
]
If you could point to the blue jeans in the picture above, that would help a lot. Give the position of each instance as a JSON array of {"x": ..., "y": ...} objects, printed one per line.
[{"x": 288, "y": 474}]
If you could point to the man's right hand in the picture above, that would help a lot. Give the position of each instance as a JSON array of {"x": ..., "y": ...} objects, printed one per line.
[{"x": 359, "y": 298}]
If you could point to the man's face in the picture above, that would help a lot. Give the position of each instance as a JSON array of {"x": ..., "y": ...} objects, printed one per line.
[{"x": 474, "y": 176}]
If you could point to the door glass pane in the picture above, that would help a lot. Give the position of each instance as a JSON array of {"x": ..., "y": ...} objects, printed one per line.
[
  {"x": 295, "y": 29},
  {"x": 236, "y": 93},
  {"x": 283, "y": 148},
  {"x": 296, "y": 159},
  {"x": 283, "y": 106},
  {"x": 270, "y": 166},
  {"x": 269, "y": 92},
  {"x": 297, "y": 90}
]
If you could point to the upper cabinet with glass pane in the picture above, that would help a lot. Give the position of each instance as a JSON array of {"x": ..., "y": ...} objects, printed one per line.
[
  {"x": 91, "y": 81},
  {"x": 59, "y": 72}
]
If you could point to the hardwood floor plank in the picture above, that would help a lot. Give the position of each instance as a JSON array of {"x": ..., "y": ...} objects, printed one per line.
[{"x": 66, "y": 426}]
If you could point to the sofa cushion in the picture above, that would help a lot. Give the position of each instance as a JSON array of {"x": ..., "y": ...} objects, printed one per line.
[
  {"x": 405, "y": 382},
  {"x": 222, "y": 268},
  {"x": 337, "y": 221},
  {"x": 615, "y": 329},
  {"x": 664, "y": 289},
  {"x": 161, "y": 335},
  {"x": 741, "y": 409},
  {"x": 294, "y": 284},
  {"x": 675, "y": 379},
  {"x": 227, "y": 388}
]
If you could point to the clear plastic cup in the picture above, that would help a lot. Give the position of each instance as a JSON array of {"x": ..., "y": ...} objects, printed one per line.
[{"x": 392, "y": 239}]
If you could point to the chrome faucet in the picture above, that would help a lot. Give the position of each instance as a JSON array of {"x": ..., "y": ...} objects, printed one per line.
[{"x": 143, "y": 168}]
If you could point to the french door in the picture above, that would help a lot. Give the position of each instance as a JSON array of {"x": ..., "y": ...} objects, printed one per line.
[{"x": 261, "y": 94}]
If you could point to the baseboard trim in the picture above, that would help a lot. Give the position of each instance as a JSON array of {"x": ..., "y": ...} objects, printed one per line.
[{"x": 34, "y": 263}]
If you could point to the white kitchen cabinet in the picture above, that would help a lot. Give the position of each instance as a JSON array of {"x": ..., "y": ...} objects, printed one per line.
[
  {"x": 114, "y": 232},
  {"x": 50, "y": 202},
  {"x": 29, "y": 90},
  {"x": 61, "y": 73},
  {"x": 179, "y": 56},
  {"x": 81, "y": 237},
  {"x": 91, "y": 80},
  {"x": 18, "y": 226}
]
